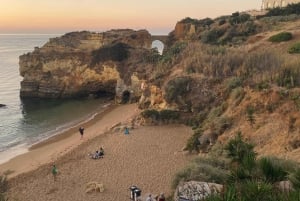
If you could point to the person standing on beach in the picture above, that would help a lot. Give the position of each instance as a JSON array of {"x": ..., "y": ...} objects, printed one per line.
[
  {"x": 81, "y": 131},
  {"x": 54, "y": 172},
  {"x": 126, "y": 131}
]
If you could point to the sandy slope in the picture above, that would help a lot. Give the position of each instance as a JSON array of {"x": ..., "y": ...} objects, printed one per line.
[{"x": 148, "y": 157}]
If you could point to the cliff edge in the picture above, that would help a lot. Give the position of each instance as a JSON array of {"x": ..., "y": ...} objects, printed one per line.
[{"x": 84, "y": 63}]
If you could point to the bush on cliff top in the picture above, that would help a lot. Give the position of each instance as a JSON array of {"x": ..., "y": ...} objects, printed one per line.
[
  {"x": 280, "y": 37},
  {"x": 294, "y": 49},
  {"x": 288, "y": 10}
]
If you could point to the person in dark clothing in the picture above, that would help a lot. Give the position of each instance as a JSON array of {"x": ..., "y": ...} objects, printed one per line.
[
  {"x": 81, "y": 131},
  {"x": 161, "y": 197}
]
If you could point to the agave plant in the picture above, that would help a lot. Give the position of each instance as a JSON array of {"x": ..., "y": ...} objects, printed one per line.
[
  {"x": 230, "y": 194},
  {"x": 272, "y": 171},
  {"x": 238, "y": 149},
  {"x": 256, "y": 190},
  {"x": 294, "y": 178}
]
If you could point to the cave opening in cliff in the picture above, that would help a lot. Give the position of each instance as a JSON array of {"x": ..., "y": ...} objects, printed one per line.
[{"x": 125, "y": 97}]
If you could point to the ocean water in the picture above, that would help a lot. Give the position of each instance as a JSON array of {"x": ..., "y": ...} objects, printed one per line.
[{"x": 26, "y": 122}]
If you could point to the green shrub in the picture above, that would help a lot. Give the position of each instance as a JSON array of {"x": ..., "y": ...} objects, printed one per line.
[
  {"x": 272, "y": 171},
  {"x": 163, "y": 115},
  {"x": 153, "y": 56},
  {"x": 220, "y": 124},
  {"x": 250, "y": 114},
  {"x": 3, "y": 187},
  {"x": 212, "y": 36},
  {"x": 176, "y": 48},
  {"x": 193, "y": 142},
  {"x": 237, "y": 149},
  {"x": 294, "y": 49},
  {"x": 283, "y": 36},
  {"x": 288, "y": 10},
  {"x": 203, "y": 169},
  {"x": 216, "y": 112},
  {"x": 238, "y": 94},
  {"x": 294, "y": 177},
  {"x": 202, "y": 22},
  {"x": 262, "y": 85},
  {"x": 177, "y": 88},
  {"x": 169, "y": 115},
  {"x": 230, "y": 194},
  {"x": 233, "y": 82},
  {"x": 237, "y": 18},
  {"x": 153, "y": 114},
  {"x": 256, "y": 190},
  {"x": 3, "y": 184},
  {"x": 289, "y": 77}
]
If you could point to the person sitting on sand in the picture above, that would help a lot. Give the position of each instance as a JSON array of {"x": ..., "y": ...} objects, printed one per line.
[
  {"x": 96, "y": 155},
  {"x": 101, "y": 152},
  {"x": 161, "y": 197},
  {"x": 149, "y": 198}
]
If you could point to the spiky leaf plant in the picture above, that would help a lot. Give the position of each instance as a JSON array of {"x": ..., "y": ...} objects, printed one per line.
[{"x": 271, "y": 170}]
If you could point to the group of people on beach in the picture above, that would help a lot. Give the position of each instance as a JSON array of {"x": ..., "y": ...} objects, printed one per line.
[
  {"x": 161, "y": 197},
  {"x": 98, "y": 154}
]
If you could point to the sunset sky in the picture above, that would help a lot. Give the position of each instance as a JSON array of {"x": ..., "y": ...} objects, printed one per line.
[{"x": 157, "y": 16}]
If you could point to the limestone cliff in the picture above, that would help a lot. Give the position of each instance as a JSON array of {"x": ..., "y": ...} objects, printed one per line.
[{"x": 85, "y": 63}]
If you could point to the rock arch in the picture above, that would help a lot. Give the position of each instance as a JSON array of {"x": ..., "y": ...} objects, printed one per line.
[
  {"x": 162, "y": 38},
  {"x": 159, "y": 45}
]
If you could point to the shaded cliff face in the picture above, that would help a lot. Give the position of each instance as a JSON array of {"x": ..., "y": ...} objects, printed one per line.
[{"x": 84, "y": 63}]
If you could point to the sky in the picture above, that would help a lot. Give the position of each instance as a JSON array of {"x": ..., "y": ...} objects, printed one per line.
[{"x": 157, "y": 16}]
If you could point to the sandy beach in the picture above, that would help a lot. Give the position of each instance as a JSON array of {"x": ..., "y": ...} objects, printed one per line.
[{"x": 148, "y": 157}]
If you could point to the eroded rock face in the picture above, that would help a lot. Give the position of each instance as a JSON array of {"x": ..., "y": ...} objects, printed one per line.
[
  {"x": 84, "y": 63},
  {"x": 184, "y": 30},
  {"x": 194, "y": 190}
]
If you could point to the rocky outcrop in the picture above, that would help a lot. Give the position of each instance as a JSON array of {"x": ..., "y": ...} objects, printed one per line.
[
  {"x": 85, "y": 63},
  {"x": 184, "y": 30},
  {"x": 2, "y": 105},
  {"x": 194, "y": 190}
]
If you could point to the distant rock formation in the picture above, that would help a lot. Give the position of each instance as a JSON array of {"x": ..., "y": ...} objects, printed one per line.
[{"x": 84, "y": 63}]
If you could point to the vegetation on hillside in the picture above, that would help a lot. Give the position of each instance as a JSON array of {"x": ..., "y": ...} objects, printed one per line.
[
  {"x": 280, "y": 37},
  {"x": 243, "y": 175},
  {"x": 282, "y": 11},
  {"x": 295, "y": 48},
  {"x": 3, "y": 187}
]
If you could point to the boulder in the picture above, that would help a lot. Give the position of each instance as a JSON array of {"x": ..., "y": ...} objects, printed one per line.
[{"x": 195, "y": 190}]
